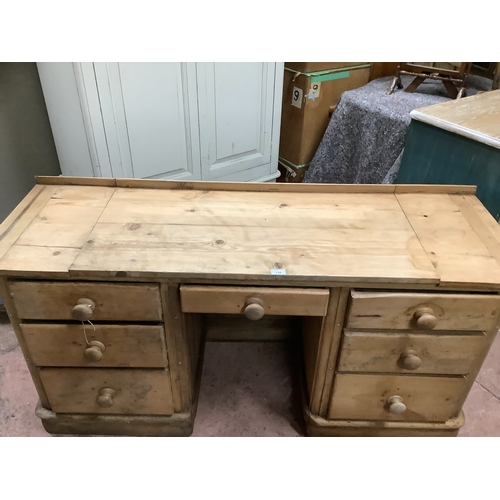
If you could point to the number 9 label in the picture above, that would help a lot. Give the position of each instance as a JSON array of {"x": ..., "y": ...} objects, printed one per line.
[{"x": 297, "y": 97}]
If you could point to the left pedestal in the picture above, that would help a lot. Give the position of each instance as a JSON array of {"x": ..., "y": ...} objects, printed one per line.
[{"x": 179, "y": 424}]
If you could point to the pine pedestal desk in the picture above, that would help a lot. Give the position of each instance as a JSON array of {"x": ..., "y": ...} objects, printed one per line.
[{"x": 109, "y": 284}]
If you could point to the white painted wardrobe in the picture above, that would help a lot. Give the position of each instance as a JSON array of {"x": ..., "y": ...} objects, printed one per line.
[{"x": 185, "y": 121}]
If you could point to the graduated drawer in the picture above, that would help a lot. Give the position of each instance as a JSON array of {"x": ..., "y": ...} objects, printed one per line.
[
  {"x": 139, "y": 346},
  {"x": 424, "y": 311},
  {"x": 86, "y": 390},
  {"x": 235, "y": 300},
  {"x": 409, "y": 353},
  {"x": 366, "y": 397},
  {"x": 116, "y": 302}
]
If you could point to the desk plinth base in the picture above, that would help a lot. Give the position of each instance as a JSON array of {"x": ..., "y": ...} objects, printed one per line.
[
  {"x": 319, "y": 427},
  {"x": 179, "y": 424}
]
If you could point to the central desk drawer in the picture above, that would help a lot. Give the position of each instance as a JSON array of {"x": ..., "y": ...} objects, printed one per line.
[
  {"x": 401, "y": 352},
  {"x": 422, "y": 311},
  {"x": 368, "y": 397},
  {"x": 113, "y": 302},
  {"x": 254, "y": 302},
  {"x": 108, "y": 391},
  {"x": 138, "y": 346}
]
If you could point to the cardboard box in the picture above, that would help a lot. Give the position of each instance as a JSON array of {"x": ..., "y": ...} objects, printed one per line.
[
  {"x": 305, "y": 110},
  {"x": 380, "y": 69},
  {"x": 311, "y": 67}
]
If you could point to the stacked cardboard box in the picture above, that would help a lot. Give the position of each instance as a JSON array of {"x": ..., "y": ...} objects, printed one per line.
[{"x": 310, "y": 90}]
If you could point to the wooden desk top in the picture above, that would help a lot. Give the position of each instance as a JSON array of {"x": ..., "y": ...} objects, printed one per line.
[
  {"x": 476, "y": 117},
  {"x": 317, "y": 234}
]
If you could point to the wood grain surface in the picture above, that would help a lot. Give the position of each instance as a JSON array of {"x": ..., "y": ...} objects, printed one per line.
[
  {"x": 393, "y": 310},
  {"x": 232, "y": 300},
  {"x": 364, "y": 397},
  {"x": 114, "y": 302},
  {"x": 138, "y": 229},
  {"x": 381, "y": 352},
  {"x": 476, "y": 117},
  {"x": 138, "y": 392},
  {"x": 126, "y": 346}
]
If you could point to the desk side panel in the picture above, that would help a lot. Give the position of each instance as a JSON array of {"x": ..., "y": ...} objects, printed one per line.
[
  {"x": 14, "y": 319},
  {"x": 184, "y": 338}
]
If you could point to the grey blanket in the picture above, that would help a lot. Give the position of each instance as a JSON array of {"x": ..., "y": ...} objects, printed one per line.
[{"x": 365, "y": 138}]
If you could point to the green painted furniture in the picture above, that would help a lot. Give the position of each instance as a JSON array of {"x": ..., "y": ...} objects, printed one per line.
[{"x": 457, "y": 142}]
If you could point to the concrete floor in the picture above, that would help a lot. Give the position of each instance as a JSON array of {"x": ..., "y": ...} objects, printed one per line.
[{"x": 247, "y": 389}]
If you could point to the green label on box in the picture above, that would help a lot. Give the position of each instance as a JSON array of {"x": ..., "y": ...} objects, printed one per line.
[{"x": 328, "y": 77}]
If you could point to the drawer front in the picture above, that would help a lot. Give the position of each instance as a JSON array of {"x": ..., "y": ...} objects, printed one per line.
[
  {"x": 409, "y": 353},
  {"x": 84, "y": 390},
  {"x": 422, "y": 311},
  {"x": 115, "y": 302},
  {"x": 235, "y": 300},
  {"x": 138, "y": 346},
  {"x": 366, "y": 397}
]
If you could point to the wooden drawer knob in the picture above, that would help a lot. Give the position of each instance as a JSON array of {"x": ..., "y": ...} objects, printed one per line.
[
  {"x": 409, "y": 360},
  {"x": 425, "y": 319},
  {"x": 84, "y": 309},
  {"x": 94, "y": 351},
  {"x": 254, "y": 309},
  {"x": 106, "y": 397},
  {"x": 396, "y": 405}
]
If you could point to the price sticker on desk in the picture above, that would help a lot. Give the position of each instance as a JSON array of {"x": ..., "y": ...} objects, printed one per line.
[{"x": 278, "y": 271}]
